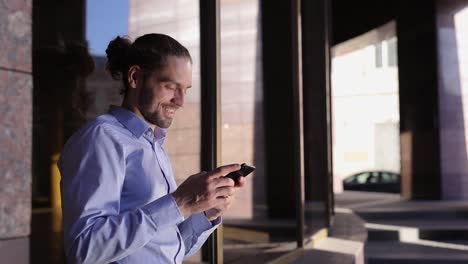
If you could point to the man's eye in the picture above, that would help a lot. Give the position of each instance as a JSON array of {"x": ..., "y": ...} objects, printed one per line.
[{"x": 171, "y": 86}]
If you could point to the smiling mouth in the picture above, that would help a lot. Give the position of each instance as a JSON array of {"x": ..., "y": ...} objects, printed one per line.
[{"x": 170, "y": 111}]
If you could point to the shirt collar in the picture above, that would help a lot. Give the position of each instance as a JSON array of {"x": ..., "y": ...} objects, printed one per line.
[{"x": 136, "y": 125}]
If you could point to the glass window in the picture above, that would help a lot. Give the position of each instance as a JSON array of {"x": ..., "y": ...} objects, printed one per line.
[
  {"x": 247, "y": 223},
  {"x": 362, "y": 178},
  {"x": 350, "y": 179},
  {"x": 180, "y": 20},
  {"x": 365, "y": 107},
  {"x": 378, "y": 55},
  {"x": 387, "y": 177},
  {"x": 374, "y": 177},
  {"x": 392, "y": 52}
]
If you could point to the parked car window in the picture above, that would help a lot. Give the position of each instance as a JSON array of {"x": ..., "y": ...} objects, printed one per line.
[
  {"x": 362, "y": 178},
  {"x": 374, "y": 177},
  {"x": 373, "y": 181},
  {"x": 387, "y": 177}
]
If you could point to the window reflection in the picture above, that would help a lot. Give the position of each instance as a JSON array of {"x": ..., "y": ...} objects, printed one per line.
[
  {"x": 178, "y": 19},
  {"x": 247, "y": 229},
  {"x": 365, "y": 85}
]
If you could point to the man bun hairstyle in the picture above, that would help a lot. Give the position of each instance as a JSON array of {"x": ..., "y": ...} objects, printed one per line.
[
  {"x": 149, "y": 52},
  {"x": 116, "y": 52}
]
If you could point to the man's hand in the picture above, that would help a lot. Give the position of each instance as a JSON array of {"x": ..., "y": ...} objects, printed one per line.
[
  {"x": 213, "y": 213},
  {"x": 206, "y": 190}
]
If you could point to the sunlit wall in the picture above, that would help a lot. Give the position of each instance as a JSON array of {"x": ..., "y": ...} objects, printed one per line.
[{"x": 365, "y": 104}]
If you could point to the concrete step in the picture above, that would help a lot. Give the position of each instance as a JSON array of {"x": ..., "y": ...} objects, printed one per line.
[
  {"x": 413, "y": 232},
  {"x": 415, "y": 261},
  {"x": 400, "y": 232},
  {"x": 395, "y": 215},
  {"x": 427, "y": 252},
  {"x": 331, "y": 250},
  {"x": 417, "y": 241}
]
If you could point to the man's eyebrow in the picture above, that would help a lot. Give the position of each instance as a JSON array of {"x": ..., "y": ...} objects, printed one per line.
[{"x": 167, "y": 79}]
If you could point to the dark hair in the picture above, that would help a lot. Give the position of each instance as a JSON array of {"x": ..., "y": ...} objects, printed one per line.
[{"x": 149, "y": 51}]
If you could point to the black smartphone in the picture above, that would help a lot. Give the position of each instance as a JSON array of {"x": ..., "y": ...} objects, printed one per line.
[{"x": 244, "y": 171}]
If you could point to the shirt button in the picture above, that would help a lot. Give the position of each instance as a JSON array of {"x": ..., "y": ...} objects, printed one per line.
[{"x": 149, "y": 133}]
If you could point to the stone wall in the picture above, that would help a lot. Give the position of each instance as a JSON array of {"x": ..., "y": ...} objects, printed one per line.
[{"x": 15, "y": 129}]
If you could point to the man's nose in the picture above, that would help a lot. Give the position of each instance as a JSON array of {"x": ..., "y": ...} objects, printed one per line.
[{"x": 178, "y": 98}]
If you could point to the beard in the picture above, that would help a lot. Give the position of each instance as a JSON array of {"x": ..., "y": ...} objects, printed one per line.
[{"x": 154, "y": 116}]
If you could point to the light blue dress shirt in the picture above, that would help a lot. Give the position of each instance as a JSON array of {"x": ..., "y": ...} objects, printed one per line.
[{"x": 116, "y": 196}]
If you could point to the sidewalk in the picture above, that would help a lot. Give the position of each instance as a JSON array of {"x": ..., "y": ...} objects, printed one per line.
[{"x": 402, "y": 231}]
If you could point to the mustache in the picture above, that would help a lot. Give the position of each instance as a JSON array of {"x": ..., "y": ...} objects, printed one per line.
[{"x": 172, "y": 106}]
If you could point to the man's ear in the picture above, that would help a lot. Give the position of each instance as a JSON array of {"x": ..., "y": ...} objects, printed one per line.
[{"x": 133, "y": 76}]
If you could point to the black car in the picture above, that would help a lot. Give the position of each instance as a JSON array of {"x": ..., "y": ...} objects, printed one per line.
[{"x": 373, "y": 181}]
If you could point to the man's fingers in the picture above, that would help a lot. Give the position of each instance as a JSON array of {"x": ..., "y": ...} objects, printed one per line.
[
  {"x": 240, "y": 182},
  {"x": 224, "y": 182},
  {"x": 224, "y": 203},
  {"x": 224, "y": 191},
  {"x": 224, "y": 170}
]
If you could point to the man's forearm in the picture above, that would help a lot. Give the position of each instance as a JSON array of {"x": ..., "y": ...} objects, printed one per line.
[{"x": 108, "y": 238}]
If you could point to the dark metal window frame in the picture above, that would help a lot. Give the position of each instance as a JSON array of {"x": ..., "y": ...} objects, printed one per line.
[
  {"x": 210, "y": 107},
  {"x": 302, "y": 116}
]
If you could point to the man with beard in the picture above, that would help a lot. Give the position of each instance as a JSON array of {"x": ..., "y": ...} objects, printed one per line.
[{"x": 120, "y": 200}]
